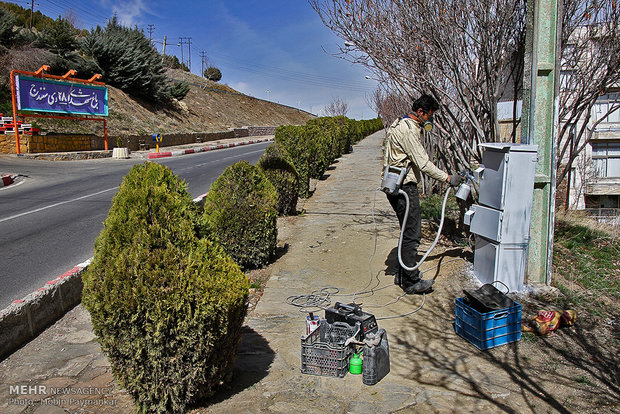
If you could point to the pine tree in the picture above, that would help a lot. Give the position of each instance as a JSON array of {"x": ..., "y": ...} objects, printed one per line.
[
  {"x": 212, "y": 73},
  {"x": 128, "y": 61},
  {"x": 7, "y": 21},
  {"x": 60, "y": 37}
]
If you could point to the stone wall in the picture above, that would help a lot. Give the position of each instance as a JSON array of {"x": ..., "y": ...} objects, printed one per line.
[
  {"x": 84, "y": 142},
  {"x": 256, "y": 131},
  {"x": 168, "y": 140},
  {"x": 58, "y": 143},
  {"x": 7, "y": 144}
]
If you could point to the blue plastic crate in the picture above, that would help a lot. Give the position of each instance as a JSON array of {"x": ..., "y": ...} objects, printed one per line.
[{"x": 489, "y": 329}]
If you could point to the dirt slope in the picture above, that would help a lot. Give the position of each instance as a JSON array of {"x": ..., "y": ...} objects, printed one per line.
[{"x": 208, "y": 107}]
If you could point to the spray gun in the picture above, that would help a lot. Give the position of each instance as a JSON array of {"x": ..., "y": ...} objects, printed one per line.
[{"x": 464, "y": 189}]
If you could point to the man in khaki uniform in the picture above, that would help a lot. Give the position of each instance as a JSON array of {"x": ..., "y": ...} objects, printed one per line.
[{"x": 404, "y": 148}]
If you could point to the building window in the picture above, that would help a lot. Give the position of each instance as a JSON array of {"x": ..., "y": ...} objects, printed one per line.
[
  {"x": 605, "y": 104},
  {"x": 606, "y": 159}
]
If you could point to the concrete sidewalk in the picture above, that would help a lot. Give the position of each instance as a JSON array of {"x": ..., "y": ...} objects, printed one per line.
[{"x": 329, "y": 246}]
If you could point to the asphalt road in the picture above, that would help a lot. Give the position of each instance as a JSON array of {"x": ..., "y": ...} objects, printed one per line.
[{"x": 51, "y": 215}]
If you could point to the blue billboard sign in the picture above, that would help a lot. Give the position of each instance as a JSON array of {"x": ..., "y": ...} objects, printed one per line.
[{"x": 42, "y": 95}]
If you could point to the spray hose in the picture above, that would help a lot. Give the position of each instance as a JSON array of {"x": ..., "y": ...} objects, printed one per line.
[{"x": 400, "y": 240}]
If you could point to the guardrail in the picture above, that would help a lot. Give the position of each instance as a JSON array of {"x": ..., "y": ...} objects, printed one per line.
[{"x": 605, "y": 215}]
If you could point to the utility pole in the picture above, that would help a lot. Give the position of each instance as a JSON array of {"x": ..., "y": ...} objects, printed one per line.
[
  {"x": 540, "y": 127},
  {"x": 203, "y": 57},
  {"x": 189, "y": 52},
  {"x": 31, "y": 12},
  {"x": 164, "y": 43},
  {"x": 150, "y": 29}
]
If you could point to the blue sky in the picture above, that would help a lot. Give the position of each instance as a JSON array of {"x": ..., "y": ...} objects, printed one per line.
[{"x": 277, "y": 50}]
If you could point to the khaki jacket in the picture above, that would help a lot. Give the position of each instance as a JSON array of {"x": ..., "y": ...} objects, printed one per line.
[{"x": 403, "y": 146}]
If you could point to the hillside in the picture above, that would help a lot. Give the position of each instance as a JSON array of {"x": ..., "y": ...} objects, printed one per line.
[{"x": 208, "y": 107}]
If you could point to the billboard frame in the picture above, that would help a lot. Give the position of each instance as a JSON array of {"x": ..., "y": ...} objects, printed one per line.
[{"x": 68, "y": 77}]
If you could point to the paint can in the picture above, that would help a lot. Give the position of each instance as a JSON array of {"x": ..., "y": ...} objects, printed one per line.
[{"x": 312, "y": 322}]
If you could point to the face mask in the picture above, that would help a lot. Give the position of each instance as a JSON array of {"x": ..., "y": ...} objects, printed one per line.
[{"x": 427, "y": 125}]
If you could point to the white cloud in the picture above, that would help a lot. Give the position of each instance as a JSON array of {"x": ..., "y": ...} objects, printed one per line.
[{"x": 130, "y": 13}]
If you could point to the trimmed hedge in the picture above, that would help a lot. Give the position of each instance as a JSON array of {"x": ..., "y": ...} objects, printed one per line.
[
  {"x": 240, "y": 215},
  {"x": 277, "y": 167},
  {"x": 166, "y": 306},
  {"x": 296, "y": 141},
  {"x": 314, "y": 147}
]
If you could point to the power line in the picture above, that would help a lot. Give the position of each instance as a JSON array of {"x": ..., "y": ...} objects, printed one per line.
[
  {"x": 84, "y": 13},
  {"x": 290, "y": 74}
]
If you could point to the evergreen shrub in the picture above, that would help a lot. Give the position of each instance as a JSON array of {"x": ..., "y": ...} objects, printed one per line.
[
  {"x": 166, "y": 306},
  {"x": 322, "y": 137},
  {"x": 277, "y": 167},
  {"x": 128, "y": 61},
  {"x": 179, "y": 90},
  {"x": 296, "y": 142},
  {"x": 240, "y": 215},
  {"x": 7, "y": 21},
  {"x": 314, "y": 146}
]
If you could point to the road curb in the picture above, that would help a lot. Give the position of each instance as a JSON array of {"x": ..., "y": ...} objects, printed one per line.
[
  {"x": 24, "y": 319},
  {"x": 6, "y": 180},
  {"x": 165, "y": 154}
]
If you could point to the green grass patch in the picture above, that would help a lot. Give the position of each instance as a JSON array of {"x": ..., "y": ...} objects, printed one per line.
[
  {"x": 583, "y": 379},
  {"x": 586, "y": 262},
  {"x": 254, "y": 284},
  {"x": 430, "y": 207},
  {"x": 529, "y": 337}
]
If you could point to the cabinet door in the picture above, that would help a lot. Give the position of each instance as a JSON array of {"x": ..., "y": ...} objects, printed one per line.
[
  {"x": 492, "y": 182},
  {"x": 486, "y": 222},
  {"x": 485, "y": 257}
]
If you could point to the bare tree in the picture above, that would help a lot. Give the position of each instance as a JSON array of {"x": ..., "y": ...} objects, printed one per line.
[
  {"x": 389, "y": 105},
  {"x": 590, "y": 68},
  {"x": 587, "y": 172},
  {"x": 469, "y": 55},
  {"x": 337, "y": 107},
  {"x": 72, "y": 17},
  {"x": 466, "y": 53}
]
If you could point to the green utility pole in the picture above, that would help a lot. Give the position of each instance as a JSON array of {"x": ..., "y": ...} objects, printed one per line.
[{"x": 540, "y": 126}]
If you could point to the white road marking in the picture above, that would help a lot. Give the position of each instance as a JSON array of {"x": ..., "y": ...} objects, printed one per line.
[{"x": 25, "y": 213}]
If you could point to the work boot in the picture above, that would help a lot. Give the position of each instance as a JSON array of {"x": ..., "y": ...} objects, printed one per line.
[
  {"x": 398, "y": 278},
  {"x": 421, "y": 286},
  {"x": 402, "y": 278}
]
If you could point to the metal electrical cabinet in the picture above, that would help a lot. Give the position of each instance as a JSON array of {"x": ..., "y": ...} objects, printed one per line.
[{"x": 501, "y": 220}]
